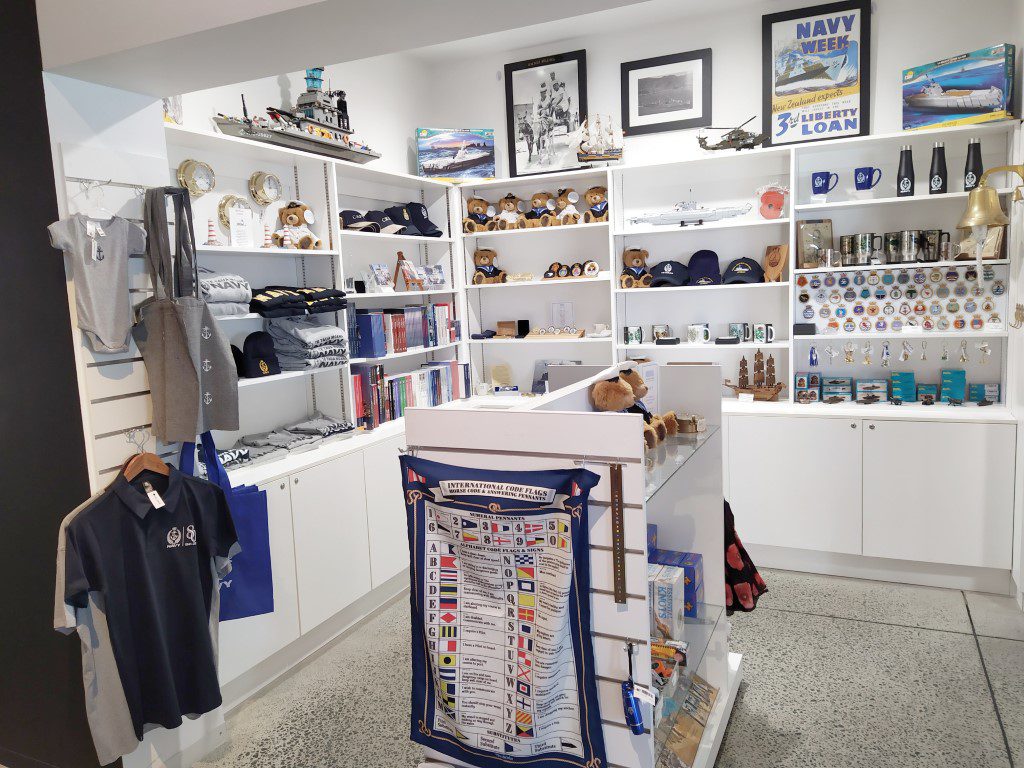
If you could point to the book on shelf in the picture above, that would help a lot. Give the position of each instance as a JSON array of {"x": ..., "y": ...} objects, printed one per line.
[
  {"x": 379, "y": 398},
  {"x": 377, "y": 332}
]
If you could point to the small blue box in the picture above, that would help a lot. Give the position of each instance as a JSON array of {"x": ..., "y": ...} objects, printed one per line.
[
  {"x": 927, "y": 389},
  {"x": 652, "y": 538},
  {"x": 954, "y": 384},
  {"x": 692, "y": 566},
  {"x": 904, "y": 386},
  {"x": 977, "y": 392}
]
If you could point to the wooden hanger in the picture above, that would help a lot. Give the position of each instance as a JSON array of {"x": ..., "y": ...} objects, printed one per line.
[{"x": 143, "y": 460}]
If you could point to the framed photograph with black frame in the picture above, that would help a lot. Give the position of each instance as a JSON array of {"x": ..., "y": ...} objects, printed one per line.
[
  {"x": 816, "y": 72},
  {"x": 545, "y": 101},
  {"x": 666, "y": 93}
]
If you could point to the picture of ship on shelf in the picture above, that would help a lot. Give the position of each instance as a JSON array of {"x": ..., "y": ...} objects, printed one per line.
[
  {"x": 765, "y": 387},
  {"x": 318, "y": 123},
  {"x": 689, "y": 212}
]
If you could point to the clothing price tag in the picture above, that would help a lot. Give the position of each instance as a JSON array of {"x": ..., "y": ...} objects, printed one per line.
[
  {"x": 154, "y": 497},
  {"x": 644, "y": 694}
]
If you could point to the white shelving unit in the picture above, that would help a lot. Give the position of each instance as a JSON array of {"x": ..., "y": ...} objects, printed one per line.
[{"x": 327, "y": 186}]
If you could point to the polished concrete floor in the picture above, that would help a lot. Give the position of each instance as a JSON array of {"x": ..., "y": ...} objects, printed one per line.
[{"x": 839, "y": 672}]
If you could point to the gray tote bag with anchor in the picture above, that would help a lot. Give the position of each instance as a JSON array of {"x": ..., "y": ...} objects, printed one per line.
[{"x": 192, "y": 376}]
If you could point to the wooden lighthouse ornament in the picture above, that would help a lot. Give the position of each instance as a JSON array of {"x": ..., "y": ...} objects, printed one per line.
[{"x": 765, "y": 387}]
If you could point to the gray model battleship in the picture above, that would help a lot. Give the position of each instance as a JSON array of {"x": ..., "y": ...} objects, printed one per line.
[
  {"x": 689, "y": 212},
  {"x": 318, "y": 123}
]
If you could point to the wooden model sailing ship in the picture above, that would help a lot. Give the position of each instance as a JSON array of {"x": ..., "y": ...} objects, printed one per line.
[
  {"x": 598, "y": 143},
  {"x": 764, "y": 387}
]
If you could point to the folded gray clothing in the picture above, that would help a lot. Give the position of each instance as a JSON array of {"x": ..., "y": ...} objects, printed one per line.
[
  {"x": 218, "y": 288},
  {"x": 282, "y": 438},
  {"x": 321, "y": 425},
  {"x": 260, "y": 454},
  {"x": 301, "y": 364},
  {"x": 230, "y": 456},
  {"x": 313, "y": 353},
  {"x": 304, "y": 330},
  {"x": 228, "y": 308}
]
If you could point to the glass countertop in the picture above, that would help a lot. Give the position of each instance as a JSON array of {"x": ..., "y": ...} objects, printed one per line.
[{"x": 664, "y": 460}]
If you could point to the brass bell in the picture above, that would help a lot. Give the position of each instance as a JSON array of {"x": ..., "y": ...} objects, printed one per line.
[{"x": 983, "y": 209}]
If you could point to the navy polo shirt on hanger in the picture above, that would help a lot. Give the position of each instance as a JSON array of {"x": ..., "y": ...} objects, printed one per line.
[{"x": 147, "y": 577}]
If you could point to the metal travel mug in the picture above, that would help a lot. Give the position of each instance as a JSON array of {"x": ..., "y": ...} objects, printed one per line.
[
  {"x": 864, "y": 246},
  {"x": 910, "y": 245},
  {"x": 891, "y": 245},
  {"x": 846, "y": 250},
  {"x": 931, "y": 241}
]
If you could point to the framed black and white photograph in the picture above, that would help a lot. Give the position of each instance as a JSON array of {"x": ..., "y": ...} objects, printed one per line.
[
  {"x": 666, "y": 93},
  {"x": 545, "y": 102}
]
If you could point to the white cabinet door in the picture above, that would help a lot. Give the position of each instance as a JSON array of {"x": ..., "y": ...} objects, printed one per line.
[
  {"x": 796, "y": 481},
  {"x": 244, "y": 643},
  {"x": 332, "y": 556},
  {"x": 385, "y": 511},
  {"x": 939, "y": 492}
]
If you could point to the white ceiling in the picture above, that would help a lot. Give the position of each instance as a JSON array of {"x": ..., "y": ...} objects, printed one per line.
[{"x": 166, "y": 48}]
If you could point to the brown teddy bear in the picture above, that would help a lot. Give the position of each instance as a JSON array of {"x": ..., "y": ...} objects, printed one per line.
[
  {"x": 565, "y": 207},
  {"x": 597, "y": 205},
  {"x": 634, "y": 269},
  {"x": 623, "y": 393},
  {"x": 540, "y": 213},
  {"x": 295, "y": 218},
  {"x": 486, "y": 271},
  {"x": 510, "y": 215},
  {"x": 479, "y": 216}
]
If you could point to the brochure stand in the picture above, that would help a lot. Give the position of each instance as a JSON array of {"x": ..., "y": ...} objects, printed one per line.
[{"x": 677, "y": 486}]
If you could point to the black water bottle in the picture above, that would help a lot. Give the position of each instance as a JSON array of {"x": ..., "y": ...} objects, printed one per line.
[
  {"x": 974, "y": 167},
  {"x": 905, "y": 174},
  {"x": 937, "y": 174}
]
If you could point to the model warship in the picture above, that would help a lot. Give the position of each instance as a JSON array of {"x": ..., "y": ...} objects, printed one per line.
[
  {"x": 317, "y": 123},
  {"x": 764, "y": 387},
  {"x": 934, "y": 98},
  {"x": 598, "y": 144}
]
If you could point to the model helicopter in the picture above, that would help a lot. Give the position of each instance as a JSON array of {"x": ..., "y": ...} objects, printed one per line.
[{"x": 735, "y": 138}]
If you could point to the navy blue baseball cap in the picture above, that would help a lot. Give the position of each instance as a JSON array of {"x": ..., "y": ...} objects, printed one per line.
[
  {"x": 356, "y": 220},
  {"x": 386, "y": 224},
  {"x": 669, "y": 273},
  {"x": 704, "y": 269},
  {"x": 743, "y": 270}
]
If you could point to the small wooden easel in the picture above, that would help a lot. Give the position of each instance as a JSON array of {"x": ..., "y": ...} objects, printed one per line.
[{"x": 410, "y": 275}]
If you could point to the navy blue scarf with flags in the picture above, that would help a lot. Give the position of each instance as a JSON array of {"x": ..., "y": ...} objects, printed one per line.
[{"x": 502, "y": 658}]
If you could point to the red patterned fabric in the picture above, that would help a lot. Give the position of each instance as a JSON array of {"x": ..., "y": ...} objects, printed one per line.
[{"x": 743, "y": 584}]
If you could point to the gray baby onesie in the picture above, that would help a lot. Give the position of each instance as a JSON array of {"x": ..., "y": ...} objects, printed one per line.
[{"x": 100, "y": 272}]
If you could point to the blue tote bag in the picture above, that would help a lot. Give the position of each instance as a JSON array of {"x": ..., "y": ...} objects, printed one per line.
[{"x": 249, "y": 589}]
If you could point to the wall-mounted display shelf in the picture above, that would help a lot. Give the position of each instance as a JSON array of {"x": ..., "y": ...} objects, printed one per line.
[
  {"x": 780, "y": 345},
  {"x": 696, "y": 229},
  {"x": 866, "y": 202},
  {"x": 406, "y": 353},
  {"x": 360, "y": 297},
  {"x": 603, "y": 276},
  {"x": 732, "y": 286},
  {"x": 544, "y": 340},
  {"x": 237, "y": 250},
  {"x": 908, "y": 265},
  {"x": 357, "y": 236},
  {"x": 922, "y": 336},
  {"x": 287, "y": 375}
]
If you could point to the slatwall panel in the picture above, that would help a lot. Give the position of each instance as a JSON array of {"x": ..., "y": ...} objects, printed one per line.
[{"x": 524, "y": 440}]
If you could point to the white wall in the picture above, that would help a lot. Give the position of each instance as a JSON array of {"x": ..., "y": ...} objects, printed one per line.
[
  {"x": 904, "y": 33},
  {"x": 387, "y": 96}
]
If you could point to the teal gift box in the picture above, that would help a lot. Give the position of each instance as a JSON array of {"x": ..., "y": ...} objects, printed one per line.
[
  {"x": 682, "y": 571},
  {"x": 977, "y": 392},
  {"x": 953, "y": 384},
  {"x": 904, "y": 386}
]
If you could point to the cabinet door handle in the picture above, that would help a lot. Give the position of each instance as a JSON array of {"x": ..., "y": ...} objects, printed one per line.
[
  {"x": 282, "y": 486},
  {"x": 853, "y": 425},
  {"x": 296, "y": 481},
  {"x": 871, "y": 426}
]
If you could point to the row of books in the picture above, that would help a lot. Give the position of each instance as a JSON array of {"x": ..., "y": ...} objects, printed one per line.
[
  {"x": 380, "y": 332},
  {"x": 379, "y": 397}
]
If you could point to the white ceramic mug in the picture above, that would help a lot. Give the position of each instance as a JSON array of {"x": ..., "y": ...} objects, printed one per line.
[{"x": 698, "y": 333}]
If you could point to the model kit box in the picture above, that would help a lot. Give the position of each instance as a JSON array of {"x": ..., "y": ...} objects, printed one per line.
[
  {"x": 873, "y": 387},
  {"x": 801, "y": 379},
  {"x": 838, "y": 381},
  {"x": 968, "y": 88},
  {"x": 977, "y": 392},
  {"x": 807, "y": 395},
  {"x": 926, "y": 390}
]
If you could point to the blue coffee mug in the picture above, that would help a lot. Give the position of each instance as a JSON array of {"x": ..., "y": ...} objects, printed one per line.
[
  {"x": 823, "y": 182},
  {"x": 867, "y": 177}
]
